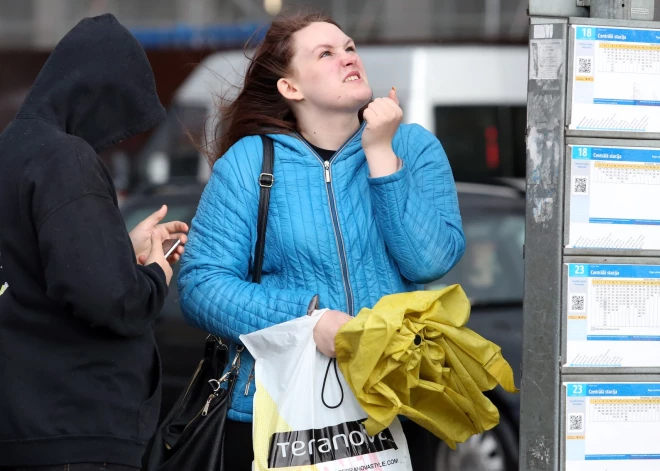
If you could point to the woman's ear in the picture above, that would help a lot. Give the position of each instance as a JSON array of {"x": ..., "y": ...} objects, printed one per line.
[{"x": 289, "y": 89}]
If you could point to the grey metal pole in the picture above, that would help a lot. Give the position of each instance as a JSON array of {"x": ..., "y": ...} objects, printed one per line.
[{"x": 539, "y": 430}]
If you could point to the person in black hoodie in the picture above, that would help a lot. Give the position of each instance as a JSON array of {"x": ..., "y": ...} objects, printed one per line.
[{"x": 78, "y": 360}]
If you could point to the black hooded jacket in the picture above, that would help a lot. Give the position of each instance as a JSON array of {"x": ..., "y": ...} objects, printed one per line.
[{"x": 78, "y": 362}]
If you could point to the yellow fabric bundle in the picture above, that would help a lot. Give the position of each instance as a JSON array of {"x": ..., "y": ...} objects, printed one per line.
[{"x": 412, "y": 355}]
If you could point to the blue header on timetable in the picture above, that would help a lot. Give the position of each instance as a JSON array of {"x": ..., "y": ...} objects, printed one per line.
[
  {"x": 610, "y": 101},
  {"x": 590, "y": 33},
  {"x": 612, "y": 389},
  {"x": 585, "y": 270},
  {"x": 616, "y": 154},
  {"x": 620, "y": 457}
]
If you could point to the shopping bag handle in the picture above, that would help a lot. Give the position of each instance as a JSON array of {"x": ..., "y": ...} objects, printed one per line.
[{"x": 333, "y": 361}]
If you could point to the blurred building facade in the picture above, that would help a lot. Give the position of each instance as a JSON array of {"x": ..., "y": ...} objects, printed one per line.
[
  {"x": 179, "y": 34},
  {"x": 39, "y": 24}
]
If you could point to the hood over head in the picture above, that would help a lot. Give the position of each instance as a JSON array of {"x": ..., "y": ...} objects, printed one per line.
[{"x": 97, "y": 84}]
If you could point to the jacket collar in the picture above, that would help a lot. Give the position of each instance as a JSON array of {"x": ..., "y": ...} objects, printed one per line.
[{"x": 299, "y": 146}]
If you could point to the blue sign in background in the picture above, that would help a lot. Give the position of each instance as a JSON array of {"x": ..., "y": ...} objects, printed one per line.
[
  {"x": 590, "y": 33},
  {"x": 586, "y": 270},
  {"x": 616, "y": 154},
  {"x": 612, "y": 389}
]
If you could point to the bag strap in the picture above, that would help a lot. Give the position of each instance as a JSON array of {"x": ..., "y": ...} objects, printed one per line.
[{"x": 266, "y": 180}]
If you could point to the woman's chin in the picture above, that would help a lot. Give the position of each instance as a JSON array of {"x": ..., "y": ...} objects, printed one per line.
[{"x": 359, "y": 101}]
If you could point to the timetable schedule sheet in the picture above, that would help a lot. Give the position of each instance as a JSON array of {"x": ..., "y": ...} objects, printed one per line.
[
  {"x": 612, "y": 315},
  {"x": 616, "y": 79},
  {"x": 614, "y": 194},
  {"x": 612, "y": 426}
]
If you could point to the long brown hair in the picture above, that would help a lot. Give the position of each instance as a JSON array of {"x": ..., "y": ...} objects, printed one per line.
[{"x": 259, "y": 107}]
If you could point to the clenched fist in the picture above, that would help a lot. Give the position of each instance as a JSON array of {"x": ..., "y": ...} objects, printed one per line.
[{"x": 383, "y": 117}]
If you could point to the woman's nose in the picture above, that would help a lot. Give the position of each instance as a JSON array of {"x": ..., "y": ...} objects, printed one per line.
[{"x": 347, "y": 59}]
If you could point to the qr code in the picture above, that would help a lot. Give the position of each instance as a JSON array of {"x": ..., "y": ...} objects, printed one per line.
[
  {"x": 580, "y": 185},
  {"x": 575, "y": 422},
  {"x": 585, "y": 65},
  {"x": 577, "y": 302}
]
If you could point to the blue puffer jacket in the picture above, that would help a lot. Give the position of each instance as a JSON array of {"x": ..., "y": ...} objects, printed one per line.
[{"x": 333, "y": 232}]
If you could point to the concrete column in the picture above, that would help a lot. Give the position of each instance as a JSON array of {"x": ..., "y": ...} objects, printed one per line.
[
  {"x": 407, "y": 20},
  {"x": 51, "y": 21},
  {"x": 193, "y": 12},
  {"x": 340, "y": 12},
  {"x": 492, "y": 18}
]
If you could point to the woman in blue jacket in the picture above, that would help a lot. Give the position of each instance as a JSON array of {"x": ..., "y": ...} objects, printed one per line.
[{"x": 362, "y": 206}]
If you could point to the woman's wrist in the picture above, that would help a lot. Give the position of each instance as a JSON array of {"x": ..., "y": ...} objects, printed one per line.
[{"x": 382, "y": 162}]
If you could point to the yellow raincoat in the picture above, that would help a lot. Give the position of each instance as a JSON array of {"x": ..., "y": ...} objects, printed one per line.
[{"x": 412, "y": 355}]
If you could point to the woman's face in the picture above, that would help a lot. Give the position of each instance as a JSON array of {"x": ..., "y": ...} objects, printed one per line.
[{"x": 327, "y": 72}]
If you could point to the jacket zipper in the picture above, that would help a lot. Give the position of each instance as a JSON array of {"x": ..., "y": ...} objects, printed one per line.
[{"x": 339, "y": 238}]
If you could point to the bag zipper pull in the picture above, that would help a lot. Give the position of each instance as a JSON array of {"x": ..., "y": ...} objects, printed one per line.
[
  {"x": 250, "y": 378},
  {"x": 208, "y": 404},
  {"x": 326, "y": 164}
]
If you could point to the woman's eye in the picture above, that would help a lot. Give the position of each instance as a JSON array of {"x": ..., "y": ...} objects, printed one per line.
[
  {"x": 326, "y": 53},
  {"x": 351, "y": 49}
]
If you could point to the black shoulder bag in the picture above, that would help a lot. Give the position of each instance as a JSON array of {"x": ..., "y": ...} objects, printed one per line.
[{"x": 192, "y": 434}]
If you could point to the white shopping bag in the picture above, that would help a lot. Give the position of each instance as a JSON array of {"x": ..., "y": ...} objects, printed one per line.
[{"x": 301, "y": 425}]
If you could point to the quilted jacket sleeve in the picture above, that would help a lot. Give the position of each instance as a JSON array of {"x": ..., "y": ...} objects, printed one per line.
[
  {"x": 417, "y": 210},
  {"x": 216, "y": 293}
]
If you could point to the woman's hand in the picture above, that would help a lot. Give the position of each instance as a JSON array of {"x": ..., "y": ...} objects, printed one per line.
[
  {"x": 141, "y": 235},
  {"x": 326, "y": 329},
  {"x": 383, "y": 117}
]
